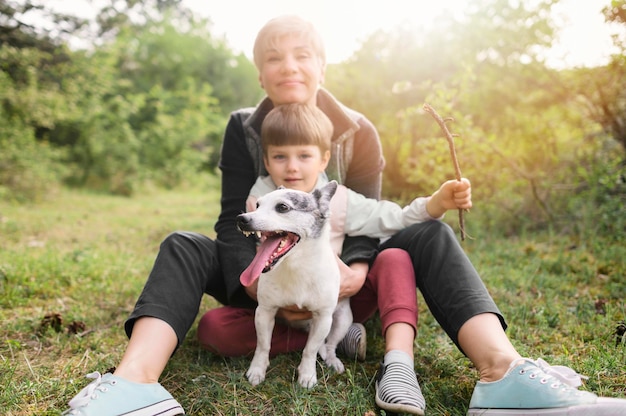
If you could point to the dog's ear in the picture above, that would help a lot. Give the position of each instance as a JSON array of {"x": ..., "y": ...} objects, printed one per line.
[
  {"x": 324, "y": 195},
  {"x": 331, "y": 188}
]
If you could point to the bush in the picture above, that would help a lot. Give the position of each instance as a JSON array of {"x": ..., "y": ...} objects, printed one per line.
[{"x": 28, "y": 170}]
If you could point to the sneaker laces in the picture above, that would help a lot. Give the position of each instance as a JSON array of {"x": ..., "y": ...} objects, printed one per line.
[
  {"x": 88, "y": 392},
  {"x": 564, "y": 374}
]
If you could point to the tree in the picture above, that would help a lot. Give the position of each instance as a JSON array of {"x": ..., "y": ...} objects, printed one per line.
[
  {"x": 523, "y": 134},
  {"x": 147, "y": 101},
  {"x": 32, "y": 99},
  {"x": 609, "y": 88}
]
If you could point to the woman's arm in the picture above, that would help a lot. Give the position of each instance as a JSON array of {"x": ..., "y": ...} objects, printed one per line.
[{"x": 238, "y": 175}]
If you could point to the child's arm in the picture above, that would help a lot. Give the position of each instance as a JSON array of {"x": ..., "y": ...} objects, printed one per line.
[
  {"x": 451, "y": 195},
  {"x": 368, "y": 217}
]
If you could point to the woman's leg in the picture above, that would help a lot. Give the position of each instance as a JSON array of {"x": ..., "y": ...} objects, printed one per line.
[
  {"x": 484, "y": 342},
  {"x": 447, "y": 279},
  {"x": 457, "y": 296},
  {"x": 187, "y": 265},
  {"x": 144, "y": 360},
  {"x": 460, "y": 302},
  {"x": 168, "y": 304}
]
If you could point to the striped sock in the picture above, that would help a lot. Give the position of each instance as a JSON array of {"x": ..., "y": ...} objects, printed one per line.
[{"x": 397, "y": 356}]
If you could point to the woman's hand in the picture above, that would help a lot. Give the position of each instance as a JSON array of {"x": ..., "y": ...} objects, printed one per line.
[
  {"x": 288, "y": 313},
  {"x": 352, "y": 278},
  {"x": 293, "y": 313},
  {"x": 451, "y": 195}
]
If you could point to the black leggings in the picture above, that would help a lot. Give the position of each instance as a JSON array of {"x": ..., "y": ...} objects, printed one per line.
[{"x": 447, "y": 279}]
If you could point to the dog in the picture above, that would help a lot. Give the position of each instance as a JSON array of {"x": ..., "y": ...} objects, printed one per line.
[{"x": 296, "y": 265}]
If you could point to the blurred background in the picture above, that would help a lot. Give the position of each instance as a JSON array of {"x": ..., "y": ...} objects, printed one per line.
[{"x": 118, "y": 95}]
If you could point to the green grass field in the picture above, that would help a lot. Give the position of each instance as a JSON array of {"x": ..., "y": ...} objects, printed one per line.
[{"x": 71, "y": 269}]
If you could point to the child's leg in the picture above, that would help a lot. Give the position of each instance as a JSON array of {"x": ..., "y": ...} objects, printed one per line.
[
  {"x": 390, "y": 288},
  {"x": 230, "y": 332},
  {"x": 393, "y": 277}
]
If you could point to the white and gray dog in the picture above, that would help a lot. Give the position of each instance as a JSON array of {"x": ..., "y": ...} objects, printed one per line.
[{"x": 295, "y": 265}]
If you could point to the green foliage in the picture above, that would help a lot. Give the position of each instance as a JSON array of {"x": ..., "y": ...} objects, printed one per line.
[
  {"x": 535, "y": 142},
  {"x": 28, "y": 105},
  {"x": 147, "y": 106},
  {"x": 616, "y": 13},
  {"x": 27, "y": 171},
  {"x": 129, "y": 137},
  {"x": 170, "y": 52}
]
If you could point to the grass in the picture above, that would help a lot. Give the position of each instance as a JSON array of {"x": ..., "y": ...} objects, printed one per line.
[{"x": 71, "y": 269}]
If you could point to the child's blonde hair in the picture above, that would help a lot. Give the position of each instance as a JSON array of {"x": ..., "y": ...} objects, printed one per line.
[
  {"x": 281, "y": 26},
  {"x": 296, "y": 124}
]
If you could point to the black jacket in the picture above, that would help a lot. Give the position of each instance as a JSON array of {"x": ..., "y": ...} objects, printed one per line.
[{"x": 356, "y": 161}]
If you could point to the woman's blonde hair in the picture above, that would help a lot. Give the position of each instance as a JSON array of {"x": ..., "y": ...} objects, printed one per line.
[
  {"x": 295, "y": 125},
  {"x": 281, "y": 26}
]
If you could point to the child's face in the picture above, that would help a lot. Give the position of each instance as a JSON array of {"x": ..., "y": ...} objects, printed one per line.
[
  {"x": 291, "y": 71},
  {"x": 297, "y": 166}
]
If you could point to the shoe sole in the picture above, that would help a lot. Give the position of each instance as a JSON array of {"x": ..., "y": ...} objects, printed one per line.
[
  {"x": 165, "y": 408},
  {"x": 396, "y": 407},
  {"x": 399, "y": 408},
  {"x": 603, "y": 407}
]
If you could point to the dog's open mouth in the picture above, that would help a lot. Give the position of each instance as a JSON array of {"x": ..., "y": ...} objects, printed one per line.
[{"x": 274, "y": 246}]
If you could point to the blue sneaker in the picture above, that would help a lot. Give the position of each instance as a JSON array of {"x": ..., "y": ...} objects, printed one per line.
[
  {"x": 109, "y": 395},
  {"x": 536, "y": 388}
]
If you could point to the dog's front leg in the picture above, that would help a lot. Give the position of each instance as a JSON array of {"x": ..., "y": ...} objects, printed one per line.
[
  {"x": 320, "y": 326},
  {"x": 264, "y": 322},
  {"x": 342, "y": 319}
]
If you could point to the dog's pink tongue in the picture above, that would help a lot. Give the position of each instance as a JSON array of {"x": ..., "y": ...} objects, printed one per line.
[{"x": 263, "y": 254}]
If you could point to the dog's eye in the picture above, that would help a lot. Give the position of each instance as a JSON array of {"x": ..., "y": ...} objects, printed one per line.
[{"x": 282, "y": 208}]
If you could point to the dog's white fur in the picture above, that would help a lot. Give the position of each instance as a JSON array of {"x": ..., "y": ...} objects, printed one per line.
[{"x": 307, "y": 276}]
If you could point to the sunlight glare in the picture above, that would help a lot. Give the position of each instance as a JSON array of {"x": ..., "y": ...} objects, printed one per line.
[{"x": 343, "y": 24}]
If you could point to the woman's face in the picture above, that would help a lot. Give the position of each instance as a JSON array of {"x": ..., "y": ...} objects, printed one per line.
[{"x": 291, "y": 71}]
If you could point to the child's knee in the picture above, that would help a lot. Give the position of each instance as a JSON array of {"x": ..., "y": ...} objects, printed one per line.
[{"x": 393, "y": 256}]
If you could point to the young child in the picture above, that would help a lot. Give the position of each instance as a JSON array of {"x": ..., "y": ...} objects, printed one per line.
[{"x": 295, "y": 141}]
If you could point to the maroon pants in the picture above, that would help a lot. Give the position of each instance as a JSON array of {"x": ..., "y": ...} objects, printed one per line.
[{"x": 389, "y": 288}]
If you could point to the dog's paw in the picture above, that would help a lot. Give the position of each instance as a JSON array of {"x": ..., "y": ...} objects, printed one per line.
[
  {"x": 255, "y": 375},
  {"x": 335, "y": 363},
  {"x": 307, "y": 376},
  {"x": 307, "y": 380}
]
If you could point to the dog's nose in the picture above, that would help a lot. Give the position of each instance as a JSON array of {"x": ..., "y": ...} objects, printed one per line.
[{"x": 242, "y": 220}]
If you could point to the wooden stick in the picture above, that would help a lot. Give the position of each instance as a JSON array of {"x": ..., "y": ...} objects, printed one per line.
[{"x": 450, "y": 137}]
